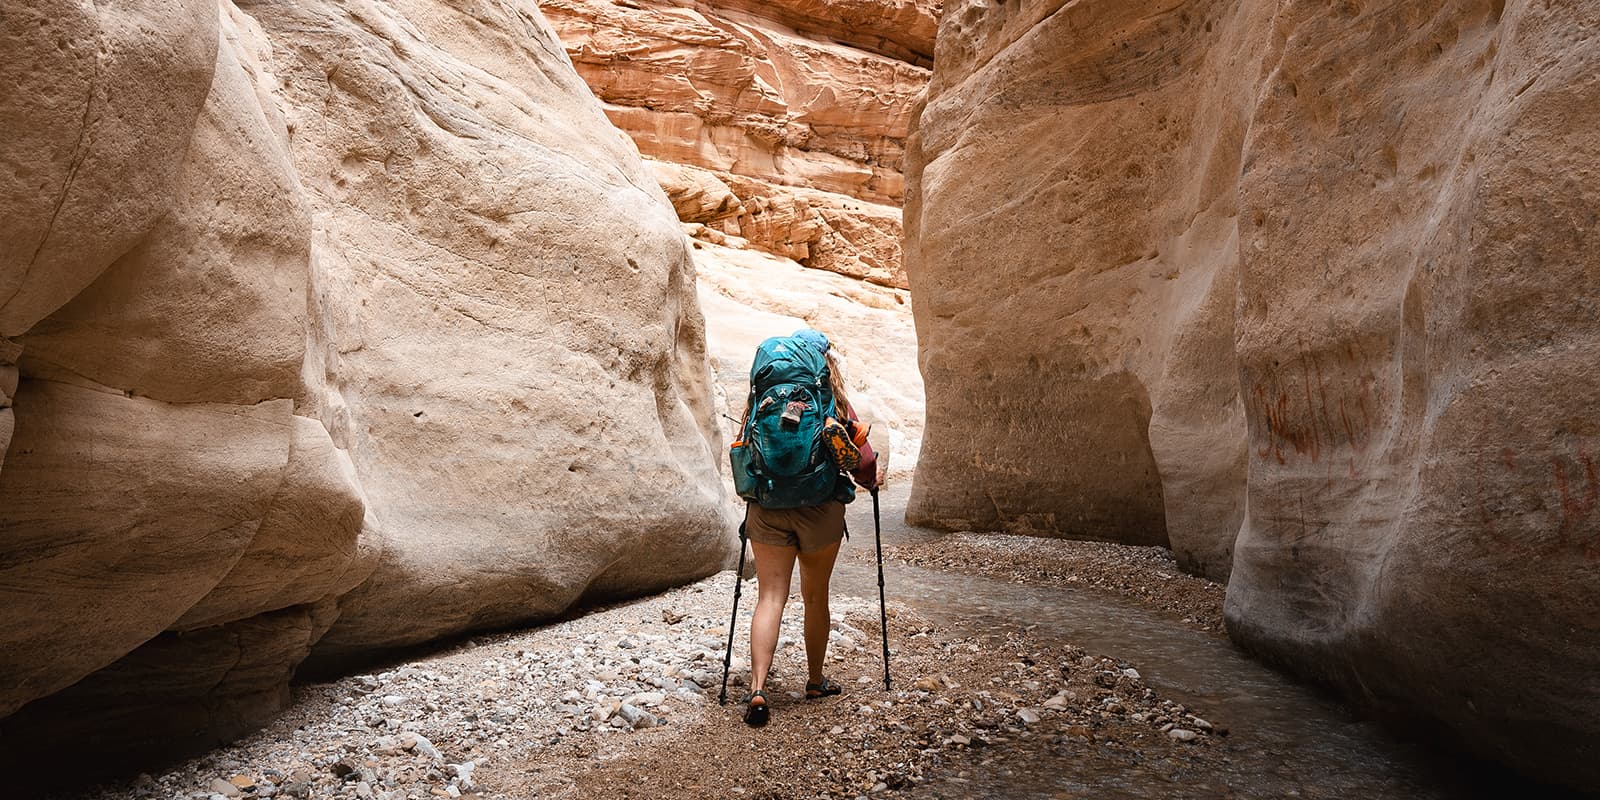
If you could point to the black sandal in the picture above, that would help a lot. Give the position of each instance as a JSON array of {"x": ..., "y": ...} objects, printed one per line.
[
  {"x": 756, "y": 715},
  {"x": 822, "y": 688}
]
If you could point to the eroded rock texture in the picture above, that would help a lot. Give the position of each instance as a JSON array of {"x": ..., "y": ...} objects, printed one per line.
[
  {"x": 1321, "y": 277},
  {"x": 782, "y": 124},
  {"x": 1079, "y": 330},
  {"x": 325, "y": 327}
]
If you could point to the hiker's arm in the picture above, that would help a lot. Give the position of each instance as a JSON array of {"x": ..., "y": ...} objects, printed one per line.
[{"x": 866, "y": 472}]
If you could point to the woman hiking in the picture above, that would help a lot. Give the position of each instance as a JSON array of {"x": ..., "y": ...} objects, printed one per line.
[{"x": 796, "y": 498}]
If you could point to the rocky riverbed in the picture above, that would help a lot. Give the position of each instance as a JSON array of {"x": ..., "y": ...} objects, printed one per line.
[
  {"x": 622, "y": 702},
  {"x": 1148, "y": 576}
]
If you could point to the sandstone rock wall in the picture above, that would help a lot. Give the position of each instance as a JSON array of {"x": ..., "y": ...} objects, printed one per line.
[
  {"x": 325, "y": 328},
  {"x": 782, "y": 124},
  {"x": 1321, "y": 277},
  {"x": 1074, "y": 261}
]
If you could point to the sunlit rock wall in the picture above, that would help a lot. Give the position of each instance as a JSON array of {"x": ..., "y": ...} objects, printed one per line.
[
  {"x": 781, "y": 124},
  {"x": 325, "y": 327}
]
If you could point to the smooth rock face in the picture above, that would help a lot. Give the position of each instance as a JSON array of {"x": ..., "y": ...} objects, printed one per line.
[
  {"x": 92, "y": 147},
  {"x": 338, "y": 317},
  {"x": 1082, "y": 373},
  {"x": 98, "y": 498},
  {"x": 1417, "y": 324},
  {"x": 1319, "y": 276},
  {"x": 780, "y": 123}
]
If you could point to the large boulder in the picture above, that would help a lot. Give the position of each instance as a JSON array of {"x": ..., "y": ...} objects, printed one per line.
[
  {"x": 325, "y": 328},
  {"x": 1320, "y": 277}
]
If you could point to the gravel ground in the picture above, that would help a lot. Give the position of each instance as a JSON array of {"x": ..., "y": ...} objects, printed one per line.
[
  {"x": 972, "y": 710},
  {"x": 1149, "y": 576},
  {"x": 622, "y": 703}
]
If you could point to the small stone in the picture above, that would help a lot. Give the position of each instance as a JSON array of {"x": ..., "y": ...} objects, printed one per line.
[
  {"x": 961, "y": 740},
  {"x": 464, "y": 773},
  {"x": 242, "y": 781},
  {"x": 648, "y": 699},
  {"x": 635, "y": 717},
  {"x": 224, "y": 788},
  {"x": 1131, "y": 673},
  {"x": 411, "y": 740},
  {"x": 1028, "y": 716},
  {"x": 928, "y": 684},
  {"x": 393, "y": 700},
  {"x": 864, "y": 680},
  {"x": 1183, "y": 734},
  {"x": 297, "y": 789}
]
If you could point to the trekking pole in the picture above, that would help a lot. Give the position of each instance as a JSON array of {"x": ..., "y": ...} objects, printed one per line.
[
  {"x": 738, "y": 588},
  {"x": 883, "y": 607}
]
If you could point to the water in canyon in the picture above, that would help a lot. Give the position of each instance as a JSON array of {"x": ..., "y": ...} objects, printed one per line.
[{"x": 1286, "y": 739}]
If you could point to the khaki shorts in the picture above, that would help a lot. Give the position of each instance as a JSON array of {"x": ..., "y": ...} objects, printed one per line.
[{"x": 809, "y": 529}]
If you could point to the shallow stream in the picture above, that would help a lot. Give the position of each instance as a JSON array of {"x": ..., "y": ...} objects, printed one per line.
[{"x": 1286, "y": 740}]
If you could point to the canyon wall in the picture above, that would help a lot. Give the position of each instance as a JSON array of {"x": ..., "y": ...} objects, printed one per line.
[
  {"x": 325, "y": 328},
  {"x": 1309, "y": 291},
  {"x": 781, "y": 124}
]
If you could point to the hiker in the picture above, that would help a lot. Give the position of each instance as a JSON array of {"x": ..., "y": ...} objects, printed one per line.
[{"x": 808, "y": 445}]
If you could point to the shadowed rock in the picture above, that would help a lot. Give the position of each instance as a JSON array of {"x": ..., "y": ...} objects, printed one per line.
[{"x": 1347, "y": 251}]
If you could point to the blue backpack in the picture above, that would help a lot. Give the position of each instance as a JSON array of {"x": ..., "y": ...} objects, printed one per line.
[{"x": 780, "y": 460}]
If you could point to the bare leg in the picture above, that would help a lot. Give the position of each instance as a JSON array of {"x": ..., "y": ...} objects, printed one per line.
[
  {"x": 816, "y": 568},
  {"x": 774, "y": 570}
]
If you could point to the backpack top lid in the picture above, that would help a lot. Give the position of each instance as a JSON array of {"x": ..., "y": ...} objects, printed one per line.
[
  {"x": 788, "y": 359},
  {"x": 813, "y": 337}
]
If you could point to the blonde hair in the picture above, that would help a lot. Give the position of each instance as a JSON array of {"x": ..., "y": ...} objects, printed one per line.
[{"x": 841, "y": 398}]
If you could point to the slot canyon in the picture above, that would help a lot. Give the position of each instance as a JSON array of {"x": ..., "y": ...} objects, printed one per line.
[{"x": 369, "y": 368}]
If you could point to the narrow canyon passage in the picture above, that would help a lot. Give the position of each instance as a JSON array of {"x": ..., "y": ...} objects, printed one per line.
[{"x": 367, "y": 369}]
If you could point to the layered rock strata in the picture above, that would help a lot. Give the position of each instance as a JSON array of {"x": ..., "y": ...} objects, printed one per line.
[
  {"x": 325, "y": 328},
  {"x": 782, "y": 124},
  {"x": 1308, "y": 291}
]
